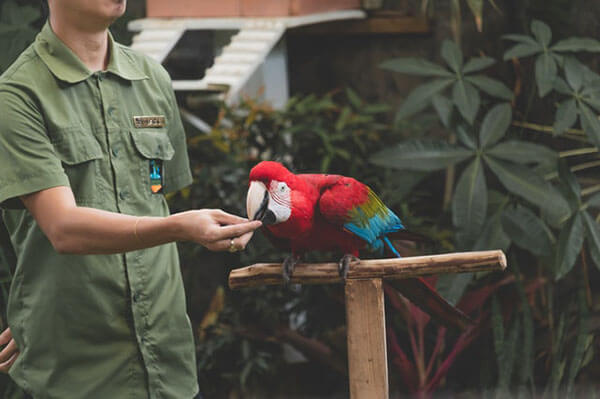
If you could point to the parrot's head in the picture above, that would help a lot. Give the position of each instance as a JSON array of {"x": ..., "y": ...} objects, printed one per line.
[{"x": 270, "y": 195}]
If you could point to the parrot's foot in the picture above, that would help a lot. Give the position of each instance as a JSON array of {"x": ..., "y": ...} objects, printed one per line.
[
  {"x": 344, "y": 264},
  {"x": 289, "y": 264}
]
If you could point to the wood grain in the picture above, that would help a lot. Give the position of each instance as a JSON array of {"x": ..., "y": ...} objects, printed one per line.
[
  {"x": 367, "y": 353},
  {"x": 396, "y": 268}
]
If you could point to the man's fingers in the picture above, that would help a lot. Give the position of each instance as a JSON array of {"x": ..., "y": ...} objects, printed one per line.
[
  {"x": 227, "y": 218},
  {"x": 5, "y": 366},
  {"x": 8, "y": 351},
  {"x": 239, "y": 243},
  {"x": 222, "y": 245},
  {"x": 236, "y": 230},
  {"x": 242, "y": 241},
  {"x": 5, "y": 336}
]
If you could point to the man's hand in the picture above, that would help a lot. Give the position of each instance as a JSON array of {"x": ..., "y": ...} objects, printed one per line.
[
  {"x": 214, "y": 229},
  {"x": 9, "y": 354}
]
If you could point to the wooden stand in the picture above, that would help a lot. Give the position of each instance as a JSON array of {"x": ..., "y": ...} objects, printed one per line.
[{"x": 365, "y": 311}]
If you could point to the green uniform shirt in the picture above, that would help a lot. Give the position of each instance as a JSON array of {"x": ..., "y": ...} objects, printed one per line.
[{"x": 93, "y": 326}]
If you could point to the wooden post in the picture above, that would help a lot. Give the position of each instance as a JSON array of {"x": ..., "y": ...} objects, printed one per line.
[
  {"x": 367, "y": 349},
  {"x": 367, "y": 354}
]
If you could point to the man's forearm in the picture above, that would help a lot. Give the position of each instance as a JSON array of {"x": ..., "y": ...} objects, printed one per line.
[
  {"x": 93, "y": 231},
  {"x": 79, "y": 230}
]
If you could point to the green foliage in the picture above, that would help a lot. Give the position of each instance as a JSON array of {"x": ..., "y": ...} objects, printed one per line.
[
  {"x": 513, "y": 191},
  {"x": 17, "y": 30},
  {"x": 465, "y": 85},
  {"x": 548, "y": 57}
]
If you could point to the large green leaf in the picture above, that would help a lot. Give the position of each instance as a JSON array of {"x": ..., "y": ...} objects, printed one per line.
[
  {"x": 465, "y": 137},
  {"x": 577, "y": 44},
  {"x": 425, "y": 155},
  {"x": 491, "y": 86},
  {"x": 522, "y": 50},
  {"x": 421, "y": 96},
  {"x": 523, "y": 152},
  {"x": 583, "y": 343},
  {"x": 452, "y": 286},
  {"x": 527, "y": 361},
  {"x": 545, "y": 73},
  {"x": 477, "y": 64},
  {"x": 525, "y": 183},
  {"x": 467, "y": 100},
  {"x": 506, "y": 361},
  {"x": 452, "y": 54},
  {"x": 542, "y": 32},
  {"x": 527, "y": 231},
  {"x": 566, "y": 116},
  {"x": 592, "y": 233},
  {"x": 590, "y": 123},
  {"x": 570, "y": 241},
  {"x": 521, "y": 38},
  {"x": 493, "y": 235},
  {"x": 415, "y": 66},
  {"x": 591, "y": 94},
  {"x": 562, "y": 87},
  {"x": 469, "y": 204},
  {"x": 443, "y": 107},
  {"x": 573, "y": 73},
  {"x": 494, "y": 125},
  {"x": 567, "y": 178}
]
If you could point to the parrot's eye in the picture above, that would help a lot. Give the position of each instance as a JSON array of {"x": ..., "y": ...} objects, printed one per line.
[{"x": 279, "y": 188}]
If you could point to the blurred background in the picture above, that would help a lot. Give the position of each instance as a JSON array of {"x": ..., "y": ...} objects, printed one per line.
[{"x": 476, "y": 121}]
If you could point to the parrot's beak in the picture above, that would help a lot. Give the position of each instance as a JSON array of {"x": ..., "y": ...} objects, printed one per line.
[{"x": 257, "y": 203}]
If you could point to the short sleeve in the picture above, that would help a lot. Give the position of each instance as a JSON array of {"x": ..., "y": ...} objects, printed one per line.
[
  {"x": 177, "y": 170},
  {"x": 28, "y": 162}
]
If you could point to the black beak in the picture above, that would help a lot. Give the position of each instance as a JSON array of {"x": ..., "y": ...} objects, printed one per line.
[{"x": 264, "y": 214}]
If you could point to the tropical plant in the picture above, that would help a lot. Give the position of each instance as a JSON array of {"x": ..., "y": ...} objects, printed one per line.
[{"x": 514, "y": 192}]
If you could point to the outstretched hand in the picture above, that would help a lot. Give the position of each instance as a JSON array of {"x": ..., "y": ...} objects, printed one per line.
[
  {"x": 9, "y": 353},
  {"x": 214, "y": 229}
]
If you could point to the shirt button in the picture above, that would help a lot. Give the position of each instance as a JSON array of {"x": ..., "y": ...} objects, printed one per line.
[
  {"x": 115, "y": 152},
  {"x": 123, "y": 194},
  {"x": 135, "y": 297}
]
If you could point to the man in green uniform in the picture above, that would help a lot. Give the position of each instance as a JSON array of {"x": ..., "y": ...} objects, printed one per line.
[{"x": 90, "y": 140}]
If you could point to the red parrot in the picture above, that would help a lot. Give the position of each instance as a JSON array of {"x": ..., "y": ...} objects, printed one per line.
[{"x": 319, "y": 212}]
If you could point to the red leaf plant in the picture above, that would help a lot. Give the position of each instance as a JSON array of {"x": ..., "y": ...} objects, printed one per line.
[{"x": 422, "y": 375}]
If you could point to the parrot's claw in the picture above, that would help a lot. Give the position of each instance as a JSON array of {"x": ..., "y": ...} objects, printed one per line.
[
  {"x": 344, "y": 265},
  {"x": 289, "y": 264}
]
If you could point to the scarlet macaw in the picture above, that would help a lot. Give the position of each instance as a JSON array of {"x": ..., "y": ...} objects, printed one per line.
[{"x": 319, "y": 212}]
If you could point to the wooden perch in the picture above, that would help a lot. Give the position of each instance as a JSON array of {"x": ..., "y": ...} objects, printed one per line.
[
  {"x": 394, "y": 268},
  {"x": 365, "y": 306}
]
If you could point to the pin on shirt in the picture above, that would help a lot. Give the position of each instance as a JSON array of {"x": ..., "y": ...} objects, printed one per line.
[{"x": 156, "y": 176}]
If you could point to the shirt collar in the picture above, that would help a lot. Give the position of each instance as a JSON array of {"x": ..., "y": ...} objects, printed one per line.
[{"x": 65, "y": 65}]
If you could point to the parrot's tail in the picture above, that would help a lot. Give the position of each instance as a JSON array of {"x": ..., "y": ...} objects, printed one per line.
[{"x": 423, "y": 295}]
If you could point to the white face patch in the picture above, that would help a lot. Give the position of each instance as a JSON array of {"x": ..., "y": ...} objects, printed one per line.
[{"x": 281, "y": 202}]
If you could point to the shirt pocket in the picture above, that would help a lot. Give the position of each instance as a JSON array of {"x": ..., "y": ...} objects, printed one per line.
[
  {"x": 80, "y": 154},
  {"x": 151, "y": 144}
]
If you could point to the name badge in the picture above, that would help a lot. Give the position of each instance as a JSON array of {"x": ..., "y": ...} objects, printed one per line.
[{"x": 149, "y": 121}]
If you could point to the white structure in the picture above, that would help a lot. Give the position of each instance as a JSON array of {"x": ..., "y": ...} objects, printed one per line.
[{"x": 252, "y": 62}]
